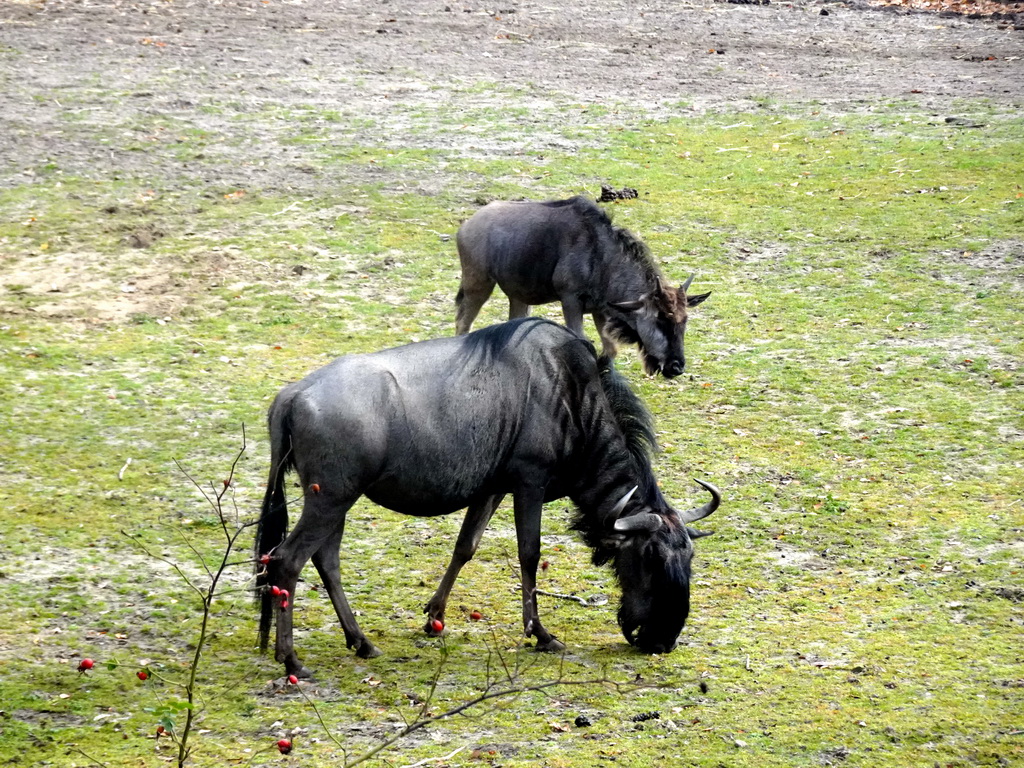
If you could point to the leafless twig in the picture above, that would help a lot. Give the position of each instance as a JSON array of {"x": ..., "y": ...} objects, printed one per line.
[{"x": 427, "y": 760}]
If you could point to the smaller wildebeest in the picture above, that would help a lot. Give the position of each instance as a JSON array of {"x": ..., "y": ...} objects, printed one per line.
[
  {"x": 568, "y": 251},
  {"x": 433, "y": 427}
]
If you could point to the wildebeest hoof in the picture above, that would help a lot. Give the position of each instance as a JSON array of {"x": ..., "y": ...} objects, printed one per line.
[
  {"x": 431, "y": 627},
  {"x": 299, "y": 671},
  {"x": 553, "y": 645},
  {"x": 368, "y": 650}
]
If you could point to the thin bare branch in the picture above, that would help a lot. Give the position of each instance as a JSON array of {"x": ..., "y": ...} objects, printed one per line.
[
  {"x": 327, "y": 730},
  {"x": 88, "y": 756},
  {"x": 500, "y": 693},
  {"x": 196, "y": 552},
  {"x": 427, "y": 760},
  {"x": 575, "y": 598},
  {"x": 163, "y": 559},
  {"x": 195, "y": 483}
]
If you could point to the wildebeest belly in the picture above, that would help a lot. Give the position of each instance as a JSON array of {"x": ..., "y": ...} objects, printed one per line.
[
  {"x": 524, "y": 266},
  {"x": 428, "y": 488}
]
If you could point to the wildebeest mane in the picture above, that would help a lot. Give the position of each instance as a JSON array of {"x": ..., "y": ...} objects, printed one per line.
[
  {"x": 634, "y": 420},
  {"x": 596, "y": 219},
  {"x": 637, "y": 427}
]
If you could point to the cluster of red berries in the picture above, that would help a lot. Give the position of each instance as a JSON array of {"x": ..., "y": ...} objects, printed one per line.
[
  {"x": 86, "y": 664},
  {"x": 284, "y": 746},
  {"x": 282, "y": 593}
]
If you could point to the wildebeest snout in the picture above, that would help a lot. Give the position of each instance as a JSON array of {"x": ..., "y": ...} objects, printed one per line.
[{"x": 674, "y": 368}]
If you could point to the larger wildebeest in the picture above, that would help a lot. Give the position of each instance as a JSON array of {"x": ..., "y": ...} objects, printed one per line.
[
  {"x": 429, "y": 428},
  {"x": 568, "y": 251}
]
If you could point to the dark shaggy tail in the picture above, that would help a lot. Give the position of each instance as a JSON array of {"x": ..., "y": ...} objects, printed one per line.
[{"x": 273, "y": 522}]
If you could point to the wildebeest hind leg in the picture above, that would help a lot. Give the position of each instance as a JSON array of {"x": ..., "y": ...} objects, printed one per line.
[
  {"x": 327, "y": 562},
  {"x": 477, "y": 517},
  {"x": 322, "y": 520}
]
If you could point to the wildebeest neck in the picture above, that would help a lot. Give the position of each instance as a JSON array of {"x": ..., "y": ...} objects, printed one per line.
[{"x": 621, "y": 441}]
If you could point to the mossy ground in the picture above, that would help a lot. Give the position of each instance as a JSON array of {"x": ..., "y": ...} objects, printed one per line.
[{"x": 855, "y": 389}]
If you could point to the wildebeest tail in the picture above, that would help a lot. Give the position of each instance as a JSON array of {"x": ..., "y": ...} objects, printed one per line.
[{"x": 273, "y": 523}]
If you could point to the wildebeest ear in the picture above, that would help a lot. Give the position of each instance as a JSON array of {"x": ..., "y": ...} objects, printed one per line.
[
  {"x": 693, "y": 301},
  {"x": 628, "y": 306},
  {"x": 695, "y": 534}
]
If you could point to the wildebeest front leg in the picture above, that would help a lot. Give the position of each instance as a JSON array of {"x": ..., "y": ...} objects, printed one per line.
[
  {"x": 608, "y": 345},
  {"x": 572, "y": 311},
  {"x": 528, "y": 504},
  {"x": 328, "y": 564},
  {"x": 477, "y": 518},
  {"x": 517, "y": 309}
]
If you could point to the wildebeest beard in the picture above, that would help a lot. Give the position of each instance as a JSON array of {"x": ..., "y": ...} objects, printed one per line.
[
  {"x": 655, "y": 579},
  {"x": 624, "y": 333}
]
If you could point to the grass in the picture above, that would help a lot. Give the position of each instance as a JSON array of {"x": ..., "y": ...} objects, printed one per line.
[{"x": 855, "y": 390}]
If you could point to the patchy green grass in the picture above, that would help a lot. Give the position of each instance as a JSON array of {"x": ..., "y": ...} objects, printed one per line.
[{"x": 856, "y": 391}]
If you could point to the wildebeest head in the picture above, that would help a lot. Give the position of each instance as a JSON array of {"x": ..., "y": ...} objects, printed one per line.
[
  {"x": 653, "y": 550},
  {"x": 656, "y": 323}
]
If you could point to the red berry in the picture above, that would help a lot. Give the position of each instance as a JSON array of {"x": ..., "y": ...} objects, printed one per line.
[
  {"x": 142, "y": 674},
  {"x": 314, "y": 488},
  {"x": 85, "y": 664},
  {"x": 284, "y": 746},
  {"x": 544, "y": 566},
  {"x": 275, "y": 591},
  {"x": 476, "y": 615},
  {"x": 293, "y": 679},
  {"x": 284, "y": 593},
  {"x": 227, "y": 483},
  {"x": 436, "y": 625},
  {"x": 284, "y": 604},
  {"x": 264, "y": 559}
]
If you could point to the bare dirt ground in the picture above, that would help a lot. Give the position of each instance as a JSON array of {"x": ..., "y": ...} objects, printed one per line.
[
  {"x": 75, "y": 71},
  {"x": 121, "y": 89}
]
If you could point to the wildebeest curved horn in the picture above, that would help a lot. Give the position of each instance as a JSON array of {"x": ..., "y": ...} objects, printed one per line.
[
  {"x": 621, "y": 504},
  {"x": 693, "y": 515},
  {"x": 645, "y": 521},
  {"x": 686, "y": 285},
  {"x": 629, "y": 306}
]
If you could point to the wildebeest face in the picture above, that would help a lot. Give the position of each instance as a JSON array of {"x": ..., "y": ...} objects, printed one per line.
[
  {"x": 654, "y": 572},
  {"x": 653, "y": 551},
  {"x": 656, "y": 324}
]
